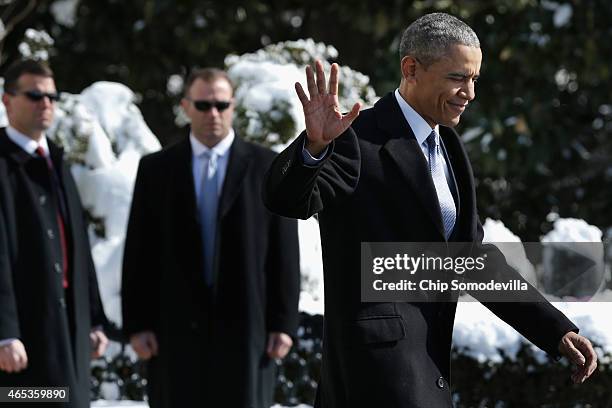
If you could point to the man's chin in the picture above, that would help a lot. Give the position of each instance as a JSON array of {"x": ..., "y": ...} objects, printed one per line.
[{"x": 451, "y": 122}]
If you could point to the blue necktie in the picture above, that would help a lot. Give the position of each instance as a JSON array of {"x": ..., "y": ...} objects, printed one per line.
[
  {"x": 445, "y": 198},
  {"x": 208, "y": 203}
]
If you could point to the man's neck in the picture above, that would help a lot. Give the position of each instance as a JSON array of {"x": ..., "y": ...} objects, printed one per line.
[
  {"x": 35, "y": 135},
  {"x": 209, "y": 141}
]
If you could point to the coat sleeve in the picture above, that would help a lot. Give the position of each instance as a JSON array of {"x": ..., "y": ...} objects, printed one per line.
[
  {"x": 283, "y": 276},
  {"x": 96, "y": 309},
  {"x": 139, "y": 297},
  {"x": 530, "y": 314},
  {"x": 9, "y": 322},
  {"x": 294, "y": 189}
]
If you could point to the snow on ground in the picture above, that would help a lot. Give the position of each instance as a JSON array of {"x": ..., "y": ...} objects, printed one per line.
[{"x": 134, "y": 404}]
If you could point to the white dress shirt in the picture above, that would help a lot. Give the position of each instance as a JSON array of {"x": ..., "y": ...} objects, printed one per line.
[
  {"x": 221, "y": 149},
  {"x": 421, "y": 130},
  {"x": 26, "y": 143}
]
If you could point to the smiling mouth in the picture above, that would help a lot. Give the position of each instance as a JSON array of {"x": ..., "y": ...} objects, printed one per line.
[{"x": 457, "y": 107}]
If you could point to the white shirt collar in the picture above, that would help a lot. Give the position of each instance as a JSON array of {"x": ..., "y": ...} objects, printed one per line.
[
  {"x": 419, "y": 126},
  {"x": 221, "y": 148},
  {"x": 26, "y": 143}
]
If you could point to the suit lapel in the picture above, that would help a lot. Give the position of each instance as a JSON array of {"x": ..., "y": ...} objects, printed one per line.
[
  {"x": 12, "y": 150},
  {"x": 183, "y": 181},
  {"x": 404, "y": 150},
  {"x": 239, "y": 161},
  {"x": 445, "y": 135},
  {"x": 464, "y": 180}
]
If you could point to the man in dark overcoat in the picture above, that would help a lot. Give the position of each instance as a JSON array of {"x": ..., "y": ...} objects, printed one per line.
[
  {"x": 51, "y": 315},
  {"x": 398, "y": 173},
  {"x": 210, "y": 276}
]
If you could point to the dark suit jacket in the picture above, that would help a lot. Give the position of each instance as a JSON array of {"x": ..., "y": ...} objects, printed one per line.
[
  {"x": 212, "y": 342},
  {"x": 374, "y": 186},
  {"x": 52, "y": 323}
]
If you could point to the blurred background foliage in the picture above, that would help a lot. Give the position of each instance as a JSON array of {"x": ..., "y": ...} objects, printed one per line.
[{"x": 537, "y": 133}]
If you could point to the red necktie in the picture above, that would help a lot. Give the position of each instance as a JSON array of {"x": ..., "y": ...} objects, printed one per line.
[{"x": 60, "y": 219}]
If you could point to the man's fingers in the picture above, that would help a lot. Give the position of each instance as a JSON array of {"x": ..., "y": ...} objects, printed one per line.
[
  {"x": 333, "y": 79},
  {"x": 320, "y": 77},
  {"x": 352, "y": 115},
  {"x": 22, "y": 360},
  {"x": 103, "y": 343},
  {"x": 144, "y": 353},
  {"x": 301, "y": 94},
  {"x": 591, "y": 358},
  {"x": 283, "y": 350},
  {"x": 579, "y": 351},
  {"x": 152, "y": 343},
  {"x": 310, "y": 82},
  {"x": 575, "y": 355}
]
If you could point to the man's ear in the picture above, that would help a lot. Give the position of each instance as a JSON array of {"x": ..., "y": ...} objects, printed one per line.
[
  {"x": 408, "y": 66},
  {"x": 184, "y": 104},
  {"x": 5, "y": 99}
]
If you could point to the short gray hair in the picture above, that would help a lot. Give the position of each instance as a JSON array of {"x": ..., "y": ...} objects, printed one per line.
[{"x": 429, "y": 37}]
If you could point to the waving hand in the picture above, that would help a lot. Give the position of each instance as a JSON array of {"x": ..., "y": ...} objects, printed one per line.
[{"x": 324, "y": 121}]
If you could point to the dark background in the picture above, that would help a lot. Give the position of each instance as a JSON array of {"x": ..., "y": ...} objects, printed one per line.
[{"x": 541, "y": 146}]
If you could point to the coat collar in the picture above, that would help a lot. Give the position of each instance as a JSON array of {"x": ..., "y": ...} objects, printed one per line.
[
  {"x": 404, "y": 150},
  {"x": 239, "y": 161},
  {"x": 20, "y": 156}
]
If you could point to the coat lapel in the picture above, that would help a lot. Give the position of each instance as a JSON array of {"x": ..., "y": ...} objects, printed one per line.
[
  {"x": 239, "y": 161},
  {"x": 403, "y": 149},
  {"x": 13, "y": 151},
  {"x": 183, "y": 181}
]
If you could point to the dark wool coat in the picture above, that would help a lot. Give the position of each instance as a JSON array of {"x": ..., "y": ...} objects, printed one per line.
[
  {"x": 212, "y": 342},
  {"x": 374, "y": 185}
]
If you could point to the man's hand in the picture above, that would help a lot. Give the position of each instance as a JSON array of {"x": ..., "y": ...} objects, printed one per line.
[
  {"x": 278, "y": 344},
  {"x": 324, "y": 121},
  {"x": 13, "y": 357},
  {"x": 98, "y": 341},
  {"x": 578, "y": 350},
  {"x": 144, "y": 344}
]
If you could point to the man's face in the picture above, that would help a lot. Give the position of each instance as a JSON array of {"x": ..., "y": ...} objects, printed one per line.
[
  {"x": 25, "y": 114},
  {"x": 212, "y": 124},
  {"x": 441, "y": 92}
]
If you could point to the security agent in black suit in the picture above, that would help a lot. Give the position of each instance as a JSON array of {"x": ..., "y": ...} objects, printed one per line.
[
  {"x": 219, "y": 272},
  {"x": 370, "y": 178},
  {"x": 51, "y": 315}
]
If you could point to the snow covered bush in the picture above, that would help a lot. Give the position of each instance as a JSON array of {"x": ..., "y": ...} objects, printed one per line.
[{"x": 268, "y": 110}]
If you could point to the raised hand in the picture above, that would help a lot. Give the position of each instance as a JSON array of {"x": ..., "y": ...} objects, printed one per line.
[{"x": 324, "y": 121}]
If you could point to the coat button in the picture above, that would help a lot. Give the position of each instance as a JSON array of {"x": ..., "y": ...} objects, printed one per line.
[
  {"x": 50, "y": 234},
  {"x": 42, "y": 199},
  {"x": 62, "y": 303},
  {"x": 440, "y": 382},
  {"x": 57, "y": 267}
]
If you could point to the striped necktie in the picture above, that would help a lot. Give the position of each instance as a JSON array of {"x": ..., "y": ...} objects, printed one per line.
[{"x": 445, "y": 198}]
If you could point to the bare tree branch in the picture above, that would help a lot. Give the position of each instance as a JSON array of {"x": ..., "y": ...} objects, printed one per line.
[{"x": 10, "y": 25}]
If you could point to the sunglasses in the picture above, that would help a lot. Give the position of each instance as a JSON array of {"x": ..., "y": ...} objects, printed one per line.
[
  {"x": 36, "y": 96},
  {"x": 205, "y": 106}
]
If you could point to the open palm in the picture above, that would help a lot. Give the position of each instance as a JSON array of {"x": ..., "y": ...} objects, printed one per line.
[{"x": 324, "y": 121}]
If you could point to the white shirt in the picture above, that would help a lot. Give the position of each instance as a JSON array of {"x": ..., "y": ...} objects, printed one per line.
[
  {"x": 421, "y": 130},
  {"x": 26, "y": 143},
  {"x": 197, "y": 163}
]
